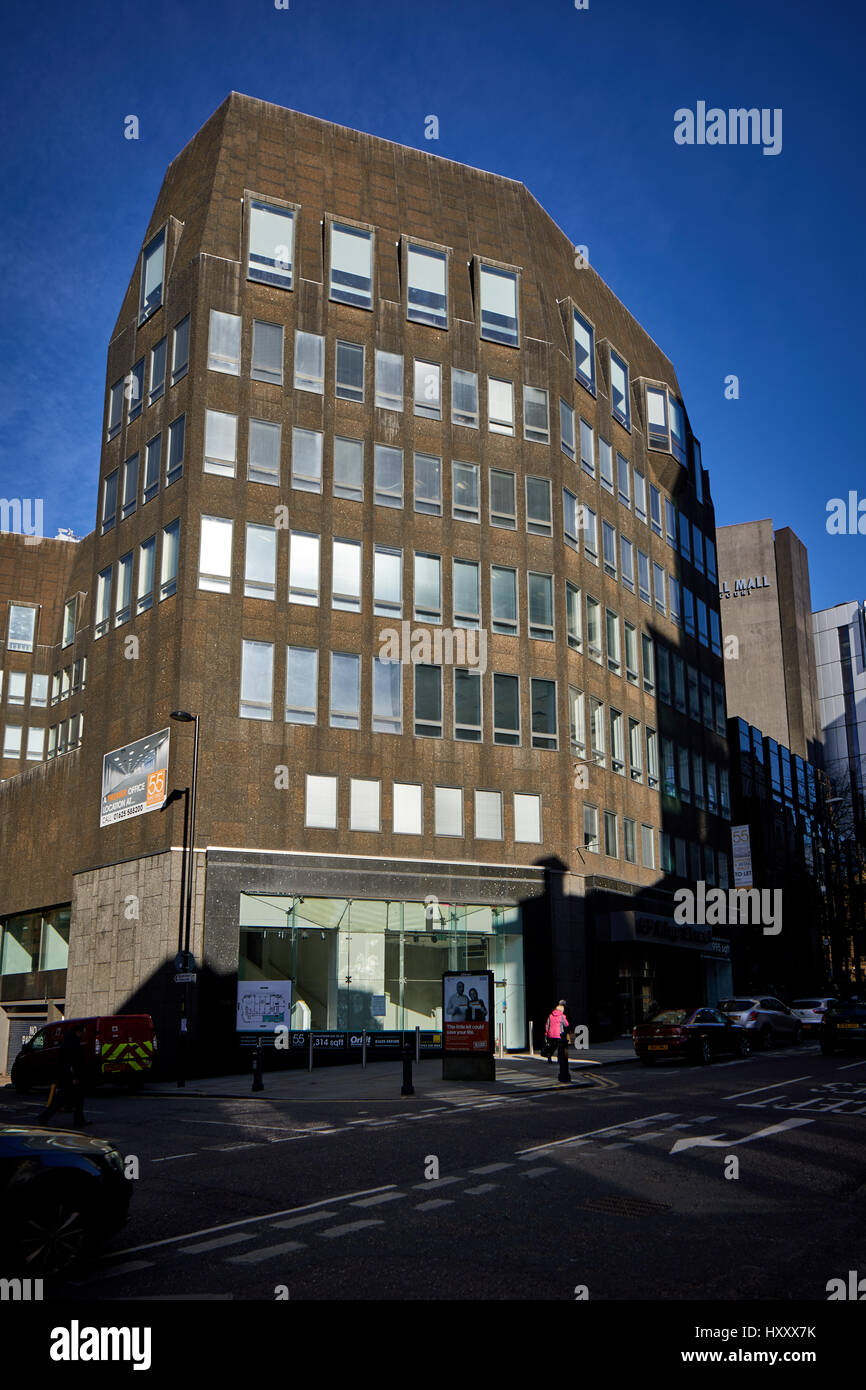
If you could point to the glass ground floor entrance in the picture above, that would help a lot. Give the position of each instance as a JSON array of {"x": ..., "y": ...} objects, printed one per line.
[{"x": 362, "y": 964}]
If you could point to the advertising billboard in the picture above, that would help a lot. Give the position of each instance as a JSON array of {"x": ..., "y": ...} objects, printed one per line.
[
  {"x": 741, "y": 856},
  {"x": 263, "y": 1006},
  {"x": 134, "y": 778},
  {"x": 467, "y": 1000}
]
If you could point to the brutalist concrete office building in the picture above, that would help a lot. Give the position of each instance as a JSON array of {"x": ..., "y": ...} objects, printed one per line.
[{"x": 397, "y": 497}]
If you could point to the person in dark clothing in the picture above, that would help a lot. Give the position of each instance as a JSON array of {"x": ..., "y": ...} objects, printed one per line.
[{"x": 68, "y": 1094}]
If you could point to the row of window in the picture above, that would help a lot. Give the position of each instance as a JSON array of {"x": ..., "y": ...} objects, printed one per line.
[
  {"x": 124, "y": 602},
  {"x": 67, "y": 682},
  {"x": 143, "y": 486},
  {"x": 131, "y": 388},
  {"x": 62, "y": 738},
  {"x": 322, "y": 812},
  {"x": 685, "y": 859}
]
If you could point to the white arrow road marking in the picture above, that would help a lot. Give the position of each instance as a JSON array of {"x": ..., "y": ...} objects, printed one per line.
[{"x": 717, "y": 1141}]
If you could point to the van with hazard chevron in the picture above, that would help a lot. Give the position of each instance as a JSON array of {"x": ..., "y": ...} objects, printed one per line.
[{"x": 118, "y": 1048}]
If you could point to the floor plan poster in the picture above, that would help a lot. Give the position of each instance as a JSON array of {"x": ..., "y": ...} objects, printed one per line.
[{"x": 264, "y": 1005}]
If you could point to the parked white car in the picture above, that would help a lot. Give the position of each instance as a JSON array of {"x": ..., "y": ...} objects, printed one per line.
[
  {"x": 766, "y": 1019},
  {"x": 811, "y": 1011}
]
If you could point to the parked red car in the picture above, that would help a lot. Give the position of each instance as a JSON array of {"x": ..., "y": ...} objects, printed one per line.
[{"x": 699, "y": 1035}]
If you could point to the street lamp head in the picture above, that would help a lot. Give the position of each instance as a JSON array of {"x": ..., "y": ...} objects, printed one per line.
[{"x": 182, "y": 716}]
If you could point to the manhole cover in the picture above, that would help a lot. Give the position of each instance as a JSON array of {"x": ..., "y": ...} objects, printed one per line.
[{"x": 625, "y": 1206}]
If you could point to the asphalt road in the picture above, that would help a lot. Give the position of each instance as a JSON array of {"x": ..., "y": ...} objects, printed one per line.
[{"x": 619, "y": 1187}]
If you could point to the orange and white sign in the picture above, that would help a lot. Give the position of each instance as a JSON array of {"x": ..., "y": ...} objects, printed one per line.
[{"x": 134, "y": 778}]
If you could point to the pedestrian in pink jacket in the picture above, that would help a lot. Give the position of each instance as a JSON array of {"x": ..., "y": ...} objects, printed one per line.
[{"x": 555, "y": 1030}]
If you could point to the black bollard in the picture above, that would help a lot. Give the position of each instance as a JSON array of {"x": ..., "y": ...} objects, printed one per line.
[
  {"x": 407, "y": 1089},
  {"x": 562, "y": 1058},
  {"x": 258, "y": 1083}
]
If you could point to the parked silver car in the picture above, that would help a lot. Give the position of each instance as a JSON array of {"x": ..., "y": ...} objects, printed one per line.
[
  {"x": 765, "y": 1017},
  {"x": 811, "y": 1011}
]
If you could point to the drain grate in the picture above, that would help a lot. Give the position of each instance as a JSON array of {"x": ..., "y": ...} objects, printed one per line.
[{"x": 625, "y": 1206}]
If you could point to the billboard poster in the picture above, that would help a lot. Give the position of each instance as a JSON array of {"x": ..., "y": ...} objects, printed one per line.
[
  {"x": 263, "y": 1006},
  {"x": 741, "y": 854},
  {"x": 467, "y": 1001},
  {"x": 134, "y": 778}
]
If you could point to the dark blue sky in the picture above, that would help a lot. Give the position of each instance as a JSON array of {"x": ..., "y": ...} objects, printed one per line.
[{"x": 734, "y": 261}]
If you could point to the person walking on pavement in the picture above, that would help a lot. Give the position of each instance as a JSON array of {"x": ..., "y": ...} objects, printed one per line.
[
  {"x": 68, "y": 1093},
  {"x": 555, "y": 1031}
]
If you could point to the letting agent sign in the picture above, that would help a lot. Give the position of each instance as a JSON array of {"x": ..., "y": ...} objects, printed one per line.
[{"x": 134, "y": 778}]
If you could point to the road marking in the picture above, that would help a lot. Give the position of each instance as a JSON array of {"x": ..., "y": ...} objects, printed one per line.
[
  {"x": 437, "y": 1182},
  {"x": 234, "y": 1239},
  {"x": 267, "y": 1252},
  {"x": 481, "y": 1188},
  {"x": 231, "y": 1148},
  {"x": 771, "y": 1086},
  {"x": 588, "y": 1134},
  {"x": 377, "y": 1201},
  {"x": 718, "y": 1141},
  {"x": 347, "y": 1229},
  {"x": 129, "y": 1268},
  {"x": 849, "y": 1065},
  {"x": 491, "y": 1168},
  {"x": 169, "y": 1158},
  {"x": 303, "y": 1220},
  {"x": 249, "y": 1220},
  {"x": 437, "y": 1202},
  {"x": 234, "y": 1124},
  {"x": 537, "y": 1172},
  {"x": 627, "y": 1145}
]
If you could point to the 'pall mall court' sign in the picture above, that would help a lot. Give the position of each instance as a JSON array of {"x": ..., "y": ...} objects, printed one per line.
[{"x": 743, "y": 587}]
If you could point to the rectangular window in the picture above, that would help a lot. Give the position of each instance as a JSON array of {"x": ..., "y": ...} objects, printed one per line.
[
  {"x": 570, "y": 518},
  {"x": 12, "y": 741},
  {"x": 712, "y": 788},
  {"x": 629, "y": 838},
  {"x": 631, "y": 666},
  {"x": 388, "y": 476},
  {"x": 623, "y": 480},
  {"x": 674, "y": 596},
  {"x": 652, "y": 758},
  {"x": 596, "y": 731},
  {"x": 655, "y": 509},
  {"x": 608, "y": 548},
  {"x": 499, "y": 321},
  {"x": 611, "y": 838},
  {"x": 115, "y": 409},
  {"x": 697, "y": 549},
  {"x": 617, "y": 741},
  {"x": 619, "y": 397},
  {"x": 349, "y": 468},
  {"x": 685, "y": 537},
  {"x": 540, "y": 590},
  {"x": 536, "y": 421},
  {"x": 387, "y": 582},
  {"x": 36, "y": 745},
  {"x": 220, "y": 444},
  {"x": 657, "y": 418},
  {"x": 500, "y": 406},
  {"x": 590, "y": 534},
  {"x": 168, "y": 560},
  {"x": 670, "y": 523},
  {"x": 649, "y": 663},
  {"x": 365, "y": 797},
  {"x": 720, "y": 708},
  {"x": 39, "y": 691},
  {"x": 467, "y": 597},
  {"x": 152, "y": 264},
  {"x": 307, "y": 460},
  {"x": 428, "y": 484},
  {"x": 257, "y": 680},
  {"x": 130, "y": 487},
  {"x": 527, "y": 819},
  {"x": 503, "y": 501},
  {"x": 647, "y": 847},
  {"x": 467, "y": 706},
  {"x": 109, "y": 502},
  {"x": 587, "y": 448},
  {"x": 694, "y": 693},
  {"x": 428, "y": 701},
  {"x": 65, "y": 682},
  {"x": 345, "y": 690},
  {"x": 260, "y": 562},
  {"x": 351, "y": 266},
  {"x": 69, "y": 609},
  {"x": 387, "y": 696},
  {"x": 303, "y": 569},
  {"x": 346, "y": 577},
  {"x": 573, "y": 626},
  {"x": 703, "y": 628},
  {"x": 389, "y": 380},
  {"x": 503, "y": 600},
  {"x": 678, "y": 431},
  {"x": 614, "y": 652},
  {"x": 349, "y": 374},
  {"x": 263, "y": 460},
  {"x": 146, "y": 555},
  {"x": 16, "y": 690},
  {"x": 428, "y": 589},
  {"x": 428, "y": 389},
  {"x": 464, "y": 398},
  {"x": 309, "y": 362},
  {"x": 643, "y": 576},
  {"x": 566, "y": 428},
  {"x": 152, "y": 467},
  {"x": 593, "y": 629},
  {"x": 679, "y": 670},
  {"x": 157, "y": 371},
  {"x": 174, "y": 462},
  {"x": 302, "y": 685},
  {"x": 639, "y": 495},
  {"x": 659, "y": 587},
  {"x": 103, "y": 602},
  {"x": 488, "y": 815},
  {"x": 576, "y": 721},
  {"x": 584, "y": 352},
  {"x": 447, "y": 811},
  {"x": 698, "y": 780},
  {"x": 539, "y": 518},
  {"x": 271, "y": 244},
  {"x": 605, "y": 464},
  {"x": 626, "y": 553},
  {"x": 408, "y": 809},
  {"x": 180, "y": 351},
  {"x": 465, "y": 504},
  {"x": 663, "y": 663},
  {"x": 224, "y": 343},
  {"x": 506, "y": 710},
  {"x": 543, "y": 703},
  {"x": 711, "y": 559},
  {"x": 715, "y": 632},
  {"x": 320, "y": 803},
  {"x": 426, "y": 286},
  {"x": 689, "y": 611},
  {"x": 135, "y": 382},
  {"x": 590, "y": 829},
  {"x": 123, "y": 593},
  {"x": 267, "y": 363},
  {"x": 635, "y": 750}
]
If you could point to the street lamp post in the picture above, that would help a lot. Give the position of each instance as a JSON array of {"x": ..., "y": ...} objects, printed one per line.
[{"x": 187, "y": 878}]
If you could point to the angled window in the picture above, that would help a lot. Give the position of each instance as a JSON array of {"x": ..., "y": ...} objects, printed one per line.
[
  {"x": 152, "y": 467},
  {"x": 346, "y": 577},
  {"x": 307, "y": 460},
  {"x": 345, "y": 690},
  {"x": 566, "y": 428},
  {"x": 257, "y": 680},
  {"x": 464, "y": 398},
  {"x": 109, "y": 502},
  {"x": 715, "y": 632},
  {"x": 648, "y": 654},
  {"x": 267, "y": 363},
  {"x": 174, "y": 462},
  {"x": 590, "y": 534},
  {"x": 349, "y": 468},
  {"x": 670, "y": 523},
  {"x": 608, "y": 548},
  {"x": 152, "y": 268},
  {"x": 309, "y": 362},
  {"x": 224, "y": 343},
  {"x": 674, "y": 593},
  {"x": 467, "y": 594},
  {"x": 503, "y": 503},
  {"x": 220, "y": 443},
  {"x": 146, "y": 555},
  {"x": 590, "y": 829},
  {"x": 130, "y": 487},
  {"x": 536, "y": 421},
  {"x": 387, "y": 582},
  {"x": 631, "y": 666},
  {"x": 465, "y": 492},
  {"x": 685, "y": 537},
  {"x": 500, "y": 406},
  {"x": 263, "y": 460},
  {"x": 643, "y": 576},
  {"x": 639, "y": 495},
  {"x": 428, "y": 389},
  {"x": 428, "y": 588},
  {"x": 657, "y": 418},
  {"x": 619, "y": 398},
  {"x": 302, "y": 685},
  {"x": 576, "y": 721},
  {"x": 388, "y": 476},
  {"x": 169, "y": 560},
  {"x": 688, "y": 611},
  {"x": 180, "y": 351},
  {"x": 697, "y": 549},
  {"x": 584, "y": 352},
  {"x": 134, "y": 388},
  {"x": 115, "y": 408},
  {"x": 304, "y": 568},
  {"x": 540, "y": 591},
  {"x": 626, "y": 557},
  {"x": 635, "y": 750},
  {"x": 428, "y": 484},
  {"x": 593, "y": 629},
  {"x": 320, "y": 803},
  {"x": 389, "y": 380},
  {"x": 427, "y": 285},
  {"x": 467, "y": 705},
  {"x": 260, "y": 562},
  {"x": 506, "y": 710},
  {"x": 349, "y": 379},
  {"x": 587, "y": 448},
  {"x": 623, "y": 480},
  {"x": 539, "y": 517},
  {"x": 271, "y": 244},
  {"x": 503, "y": 600},
  {"x": 428, "y": 701},
  {"x": 157, "y": 372},
  {"x": 711, "y": 559},
  {"x": 703, "y": 627},
  {"x": 614, "y": 650},
  {"x": 387, "y": 696},
  {"x": 659, "y": 587},
  {"x": 573, "y": 626},
  {"x": 351, "y": 279},
  {"x": 123, "y": 592},
  {"x": 605, "y": 464},
  {"x": 570, "y": 518},
  {"x": 617, "y": 742},
  {"x": 488, "y": 815},
  {"x": 678, "y": 431},
  {"x": 655, "y": 509},
  {"x": 499, "y": 315},
  {"x": 543, "y": 703}
]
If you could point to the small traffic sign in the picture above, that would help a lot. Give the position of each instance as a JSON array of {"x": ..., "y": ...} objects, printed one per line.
[{"x": 186, "y": 977}]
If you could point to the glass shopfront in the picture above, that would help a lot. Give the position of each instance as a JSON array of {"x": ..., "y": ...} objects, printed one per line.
[{"x": 361, "y": 964}]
